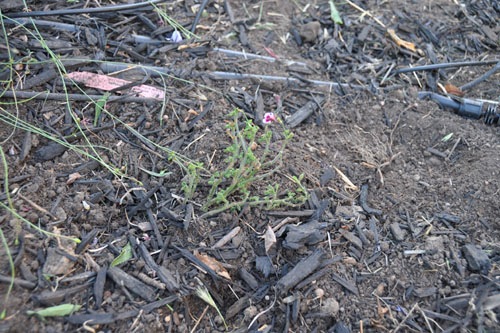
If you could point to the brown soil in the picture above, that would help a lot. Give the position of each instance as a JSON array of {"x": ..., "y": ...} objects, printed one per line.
[{"x": 400, "y": 259}]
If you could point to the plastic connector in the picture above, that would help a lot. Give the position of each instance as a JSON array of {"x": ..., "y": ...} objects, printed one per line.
[{"x": 469, "y": 108}]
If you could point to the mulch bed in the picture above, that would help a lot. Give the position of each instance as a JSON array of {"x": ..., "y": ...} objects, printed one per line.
[{"x": 395, "y": 119}]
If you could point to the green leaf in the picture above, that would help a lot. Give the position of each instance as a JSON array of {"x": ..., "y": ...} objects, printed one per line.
[
  {"x": 99, "y": 107},
  {"x": 55, "y": 311},
  {"x": 161, "y": 174},
  {"x": 334, "y": 13},
  {"x": 447, "y": 137},
  {"x": 203, "y": 293},
  {"x": 124, "y": 256}
]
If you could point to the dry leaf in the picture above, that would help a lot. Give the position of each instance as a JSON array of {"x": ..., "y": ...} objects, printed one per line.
[
  {"x": 73, "y": 177},
  {"x": 402, "y": 43},
  {"x": 381, "y": 310},
  {"x": 269, "y": 238},
  {"x": 453, "y": 90},
  {"x": 190, "y": 112},
  {"x": 379, "y": 291},
  {"x": 347, "y": 181},
  {"x": 213, "y": 264},
  {"x": 192, "y": 45}
]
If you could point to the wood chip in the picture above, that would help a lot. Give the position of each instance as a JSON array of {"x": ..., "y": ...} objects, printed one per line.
[
  {"x": 303, "y": 113},
  {"x": 131, "y": 283},
  {"x": 303, "y": 269},
  {"x": 216, "y": 266},
  {"x": 352, "y": 238}
]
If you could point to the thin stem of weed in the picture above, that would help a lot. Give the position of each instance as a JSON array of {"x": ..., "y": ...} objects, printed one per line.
[
  {"x": 4, "y": 240},
  {"x": 173, "y": 23},
  {"x": 5, "y": 244}
]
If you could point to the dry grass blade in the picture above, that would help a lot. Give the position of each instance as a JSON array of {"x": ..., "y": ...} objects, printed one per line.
[
  {"x": 203, "y": 293},
  {"x": 367, "y": 13},
  {"x": 348, "y": 183}
]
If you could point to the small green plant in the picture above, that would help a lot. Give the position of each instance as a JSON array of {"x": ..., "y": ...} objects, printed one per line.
[
  {"x": 334, "y": 13},
  {"x": 191, "y": 179},
  {"x": 162, "y": 13},
  {"x": 251, "y": 161}
]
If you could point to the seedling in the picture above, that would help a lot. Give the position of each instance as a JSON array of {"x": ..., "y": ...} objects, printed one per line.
[
  {"x": 251, "y": 161},
  {"x": 161, "y": 174},
  {"x": 124, "y": 256},
  {"x": 334, "y": 13}
]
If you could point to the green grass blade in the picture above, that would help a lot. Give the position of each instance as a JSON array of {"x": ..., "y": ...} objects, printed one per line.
[
  {"x": 4, "y": 240},
  {"x": 334, "y": 13},
  {"x": 203, "y": 293},
  {"x": 55, "y": 311},
  {"x": 99, "y": 107},
  {"x": 124, "y": 256}
]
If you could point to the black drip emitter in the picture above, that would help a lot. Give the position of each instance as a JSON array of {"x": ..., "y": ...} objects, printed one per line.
[{"x": 475, "y": 109}]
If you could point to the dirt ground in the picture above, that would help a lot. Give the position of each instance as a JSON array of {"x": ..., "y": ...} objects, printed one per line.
[{"x": 400, "y": 231}]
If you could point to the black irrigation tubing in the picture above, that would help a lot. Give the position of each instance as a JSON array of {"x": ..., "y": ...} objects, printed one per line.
[
  {"x": 482, "y": 78},
  {"x": 42, "y": 23},
  {"x": 72, "y": 97},
  {"x": 198, "y": 15},
  {"x": 76, "y": 11},
  {"x": 240, "y": 76},
  {"x": 213, "y": 75},
  {"x": 156, "y": 71},
  {"x": 245, "y": 55},
  {"x": 231, "y": 53},
  {"x": 139, "y": 39},
  {"x": 445, "y": 65}
]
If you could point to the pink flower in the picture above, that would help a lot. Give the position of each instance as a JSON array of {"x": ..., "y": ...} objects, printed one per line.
[{"x": 269, "y": 117}]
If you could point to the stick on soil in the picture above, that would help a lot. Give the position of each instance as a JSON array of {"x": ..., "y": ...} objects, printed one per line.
[
  {"x": 305, "y": 267},
  {"x": 131, "y": 283}
]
